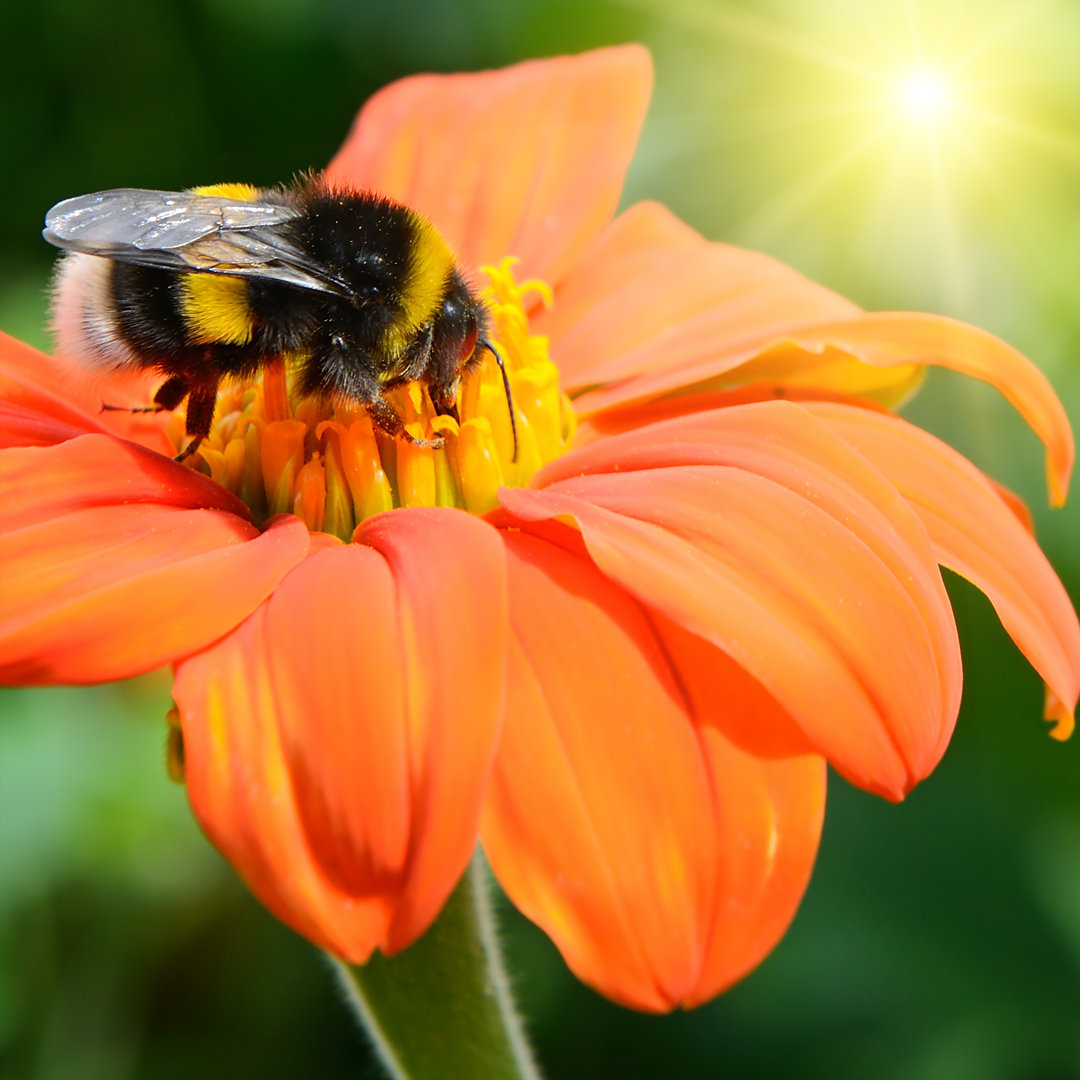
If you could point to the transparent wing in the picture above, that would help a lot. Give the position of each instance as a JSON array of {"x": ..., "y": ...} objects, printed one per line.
[{"x": 180, "y": 230}]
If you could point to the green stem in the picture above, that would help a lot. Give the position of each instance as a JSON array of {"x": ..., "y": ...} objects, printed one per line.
[{"x": 442, "y": 1007}]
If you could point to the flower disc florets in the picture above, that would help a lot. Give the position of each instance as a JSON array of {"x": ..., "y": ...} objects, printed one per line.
[{"x": 327, "y": 463}]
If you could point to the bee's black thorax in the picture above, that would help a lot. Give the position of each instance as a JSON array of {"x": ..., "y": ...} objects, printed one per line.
[{"x": 364, "y": 242}]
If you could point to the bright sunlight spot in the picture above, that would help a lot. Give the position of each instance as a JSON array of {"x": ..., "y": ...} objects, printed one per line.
[{"x": 925, "y": 94}]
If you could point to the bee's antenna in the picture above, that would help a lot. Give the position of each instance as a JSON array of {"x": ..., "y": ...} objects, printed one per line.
[{"x": 483, "y": 343}]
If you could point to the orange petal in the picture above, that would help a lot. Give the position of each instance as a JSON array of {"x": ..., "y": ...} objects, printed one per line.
[
  {"x": 724, "y": 695},
  {"x": 756, "y": 529},
  {"x": 610, "y": 815},
  {"x": 113, "y": 591},
  {"x": 758, "y": 333},
  {"x": 599, "y": 822},
  {"x": 41, "y": 484},
  {"x": 769, "y": 816},
  {"x": 20, "y": 426},
  {"x": 34, "y": 413},
  {"x": 338, "y": 743},
  {"x": 117, "y": 560},
  {"x": 652, "y": 297},
  {"x": 785, "y": 367},
  {"x": 979, "y": 535},
  {"x": 527, "y": 161},
  {"x": 1015, "y": 504},
  {"x": 46, "y": 400},
  {"x": 452, "y": 607},
  {"x": 641, "y": 413},
  {"x": 888, "y": 339}
]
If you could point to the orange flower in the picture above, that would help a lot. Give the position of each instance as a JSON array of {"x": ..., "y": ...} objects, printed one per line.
[{"x": 623, "y": 657}]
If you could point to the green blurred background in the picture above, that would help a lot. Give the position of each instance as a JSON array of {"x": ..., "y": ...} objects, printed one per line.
[{"x": 939, "y": 940}]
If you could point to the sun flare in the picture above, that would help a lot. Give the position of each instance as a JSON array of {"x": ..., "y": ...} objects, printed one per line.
[{"x": 925, "y": 95}]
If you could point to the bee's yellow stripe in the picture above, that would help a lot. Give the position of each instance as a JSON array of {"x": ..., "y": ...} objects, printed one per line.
[
  {"x": 241, "y": 192},
  {"x": 430, "y": 263},
  {"x": 215, "y": 309}
]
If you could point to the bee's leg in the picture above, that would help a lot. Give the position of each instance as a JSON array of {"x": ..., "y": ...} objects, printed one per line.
[
  {"x": 385, "y": 417},
  {"x": 444, "y": 400},
  {"x": 169, "y": 395},
  {"x": 200, "y": 415},
  {"x": 172, "y": 392},
  {"x": 446, "y": 407},
  {"x": 353, "y": 375},
  {"x": 417, "y": 357},
  {"x": 106, "y": 407}
]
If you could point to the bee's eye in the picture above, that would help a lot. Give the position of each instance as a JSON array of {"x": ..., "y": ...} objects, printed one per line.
[
  {"x": 369, "y": 292},
  {"x": 468, "y": 346}
]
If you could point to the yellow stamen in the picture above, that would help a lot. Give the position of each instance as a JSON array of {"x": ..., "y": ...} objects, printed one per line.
[
  {"x": 325, "y": 462},
  {"x": 275, "y": 392},
  {"x": 310, "y": 500},
  {"x": 481, "y": 476},
  {"x": 415, "y": 464},
  {"x": 282, "y": 459},
  {"x": 338, "y": 511},
  {"x": 252, "y": 489},
  {"x": 364, "y": 472}
]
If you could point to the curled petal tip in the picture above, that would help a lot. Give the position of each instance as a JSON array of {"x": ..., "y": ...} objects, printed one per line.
[
  {"x": 1060, "y": 715},
  {"x": 888, "y": 338},
  {"x": 1057, "y": 482}
]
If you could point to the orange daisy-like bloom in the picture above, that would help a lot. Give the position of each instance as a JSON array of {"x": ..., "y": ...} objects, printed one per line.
[{"x": 621, "y": 659}]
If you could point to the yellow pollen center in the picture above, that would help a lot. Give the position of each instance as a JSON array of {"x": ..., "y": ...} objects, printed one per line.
[{"x": 327, "y": 463}]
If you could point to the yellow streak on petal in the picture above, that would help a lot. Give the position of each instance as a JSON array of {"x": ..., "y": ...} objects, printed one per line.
[
  {"x": 889, "y": 339},
  {"x": 218, "y": 727},
  {"x": 791, "y": 364}
]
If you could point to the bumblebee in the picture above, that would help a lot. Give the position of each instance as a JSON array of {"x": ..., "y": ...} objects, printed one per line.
[{"x": 218, "y": 281}]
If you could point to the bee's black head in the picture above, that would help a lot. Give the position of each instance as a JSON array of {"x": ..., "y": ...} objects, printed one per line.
[{"x": 461, "y": 338}]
